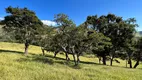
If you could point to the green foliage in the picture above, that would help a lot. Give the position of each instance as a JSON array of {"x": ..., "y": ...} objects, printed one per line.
[
  {"x": 23, "y": 23},
  {"x": 121, "y": 32}
]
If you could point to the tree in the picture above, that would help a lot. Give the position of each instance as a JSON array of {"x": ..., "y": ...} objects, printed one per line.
[
  {"x": 102, "y": 48},
  {"x": 60, "y": 39},
  {"x": 114, "y": 27},
  {"x": 23, "y": 23},
  {"x": 84, "y": 40},
  {"x": 130, "y": 42}
]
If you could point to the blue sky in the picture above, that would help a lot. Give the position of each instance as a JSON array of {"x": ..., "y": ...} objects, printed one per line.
[{"x": 78, "y": 10}]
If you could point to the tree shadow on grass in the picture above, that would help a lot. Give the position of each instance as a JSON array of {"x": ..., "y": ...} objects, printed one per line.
[
  {"x": 11, "y": 51},
  {"x": 36, "y": 58},
  {"x": 59, "y": 58},
  {"x": 56, "y": 58},
  {"x": 49, "y": 59},
  {"x": 16, "y": 52},
  {"x": 86, "y": 62}
]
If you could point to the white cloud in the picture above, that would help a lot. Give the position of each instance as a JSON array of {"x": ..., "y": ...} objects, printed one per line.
[
  {"x": 1, "y": 18},
  {"x": 48, "y": 22}
]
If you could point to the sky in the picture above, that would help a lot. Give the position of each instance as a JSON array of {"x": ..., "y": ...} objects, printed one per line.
[{"x": 78, "y": 10}]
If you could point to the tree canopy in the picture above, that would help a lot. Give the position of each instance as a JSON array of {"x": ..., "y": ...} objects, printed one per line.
[{"x": 23, "y": 23}]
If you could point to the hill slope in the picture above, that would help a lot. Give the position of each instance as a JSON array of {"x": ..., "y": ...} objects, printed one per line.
[
  {"x": 15, "y": 66},
  {"x": 138, "y": 34}
]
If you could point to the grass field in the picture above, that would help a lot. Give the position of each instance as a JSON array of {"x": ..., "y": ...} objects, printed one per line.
[{"x": 14, "y": 65}]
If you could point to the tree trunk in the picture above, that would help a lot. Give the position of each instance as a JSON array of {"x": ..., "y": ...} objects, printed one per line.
[
  {"x": 138, "y": 60},
  {"x": 26, "y": 47},
  {"x": 126, "y": 63},
  {"x": 43, "y": 52},
  {"x": 65, "y": 50},
  {"x": 55, "y": 53},
  {"x": 130, "y": 62},
  {"x": 67, "y": 57},
  {"x": 137, "y": 63},
  {"x": 99, "y": 60},
  {"x": 78, "y": 60},
  {"x": 74, "y": 59},
  {"x": 111, "y": 60},
  {"x": 104, "y": 60}
]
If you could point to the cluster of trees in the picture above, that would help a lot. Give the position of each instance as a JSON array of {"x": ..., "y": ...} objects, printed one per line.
[{"x": 107, "y": 36}]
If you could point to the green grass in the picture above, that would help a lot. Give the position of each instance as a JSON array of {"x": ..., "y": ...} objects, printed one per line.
[{"x": 14, "y": 65}]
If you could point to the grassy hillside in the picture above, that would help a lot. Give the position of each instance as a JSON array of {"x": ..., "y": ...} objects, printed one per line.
[
  {"x": 138, "y": 34},
  {"x": 15, "y": 66}
]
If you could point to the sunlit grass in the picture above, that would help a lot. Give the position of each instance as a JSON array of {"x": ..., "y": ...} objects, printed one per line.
[{"x": 14, "y": 65}]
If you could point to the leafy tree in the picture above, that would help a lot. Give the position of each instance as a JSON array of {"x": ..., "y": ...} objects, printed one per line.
[
  {"x": 101, "y": 43},
  {"x": 130, "y": 42},
  {"x": 60, "y": 39},
  {"x": 23, "y": 23},
  {"x": 114, "y": 27}
]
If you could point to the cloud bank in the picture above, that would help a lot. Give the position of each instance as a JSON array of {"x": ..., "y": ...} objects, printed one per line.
[
  {"x": 48, "y": 22},
  {"x": 1, "y": 18}
]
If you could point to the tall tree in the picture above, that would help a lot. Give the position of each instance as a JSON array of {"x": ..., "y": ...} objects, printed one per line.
[
  {"x": 23, "y": 23},
  {"x": 129, "y": 42},
  {"x": 64, "y": 24},
  {"x": 114, "y": 27}
]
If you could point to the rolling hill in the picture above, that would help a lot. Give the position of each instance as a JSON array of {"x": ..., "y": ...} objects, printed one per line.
[{"x": 14, "y": 65}]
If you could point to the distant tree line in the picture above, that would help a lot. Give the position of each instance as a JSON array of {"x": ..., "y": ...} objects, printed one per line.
[{"x": 106, "y": 36}]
